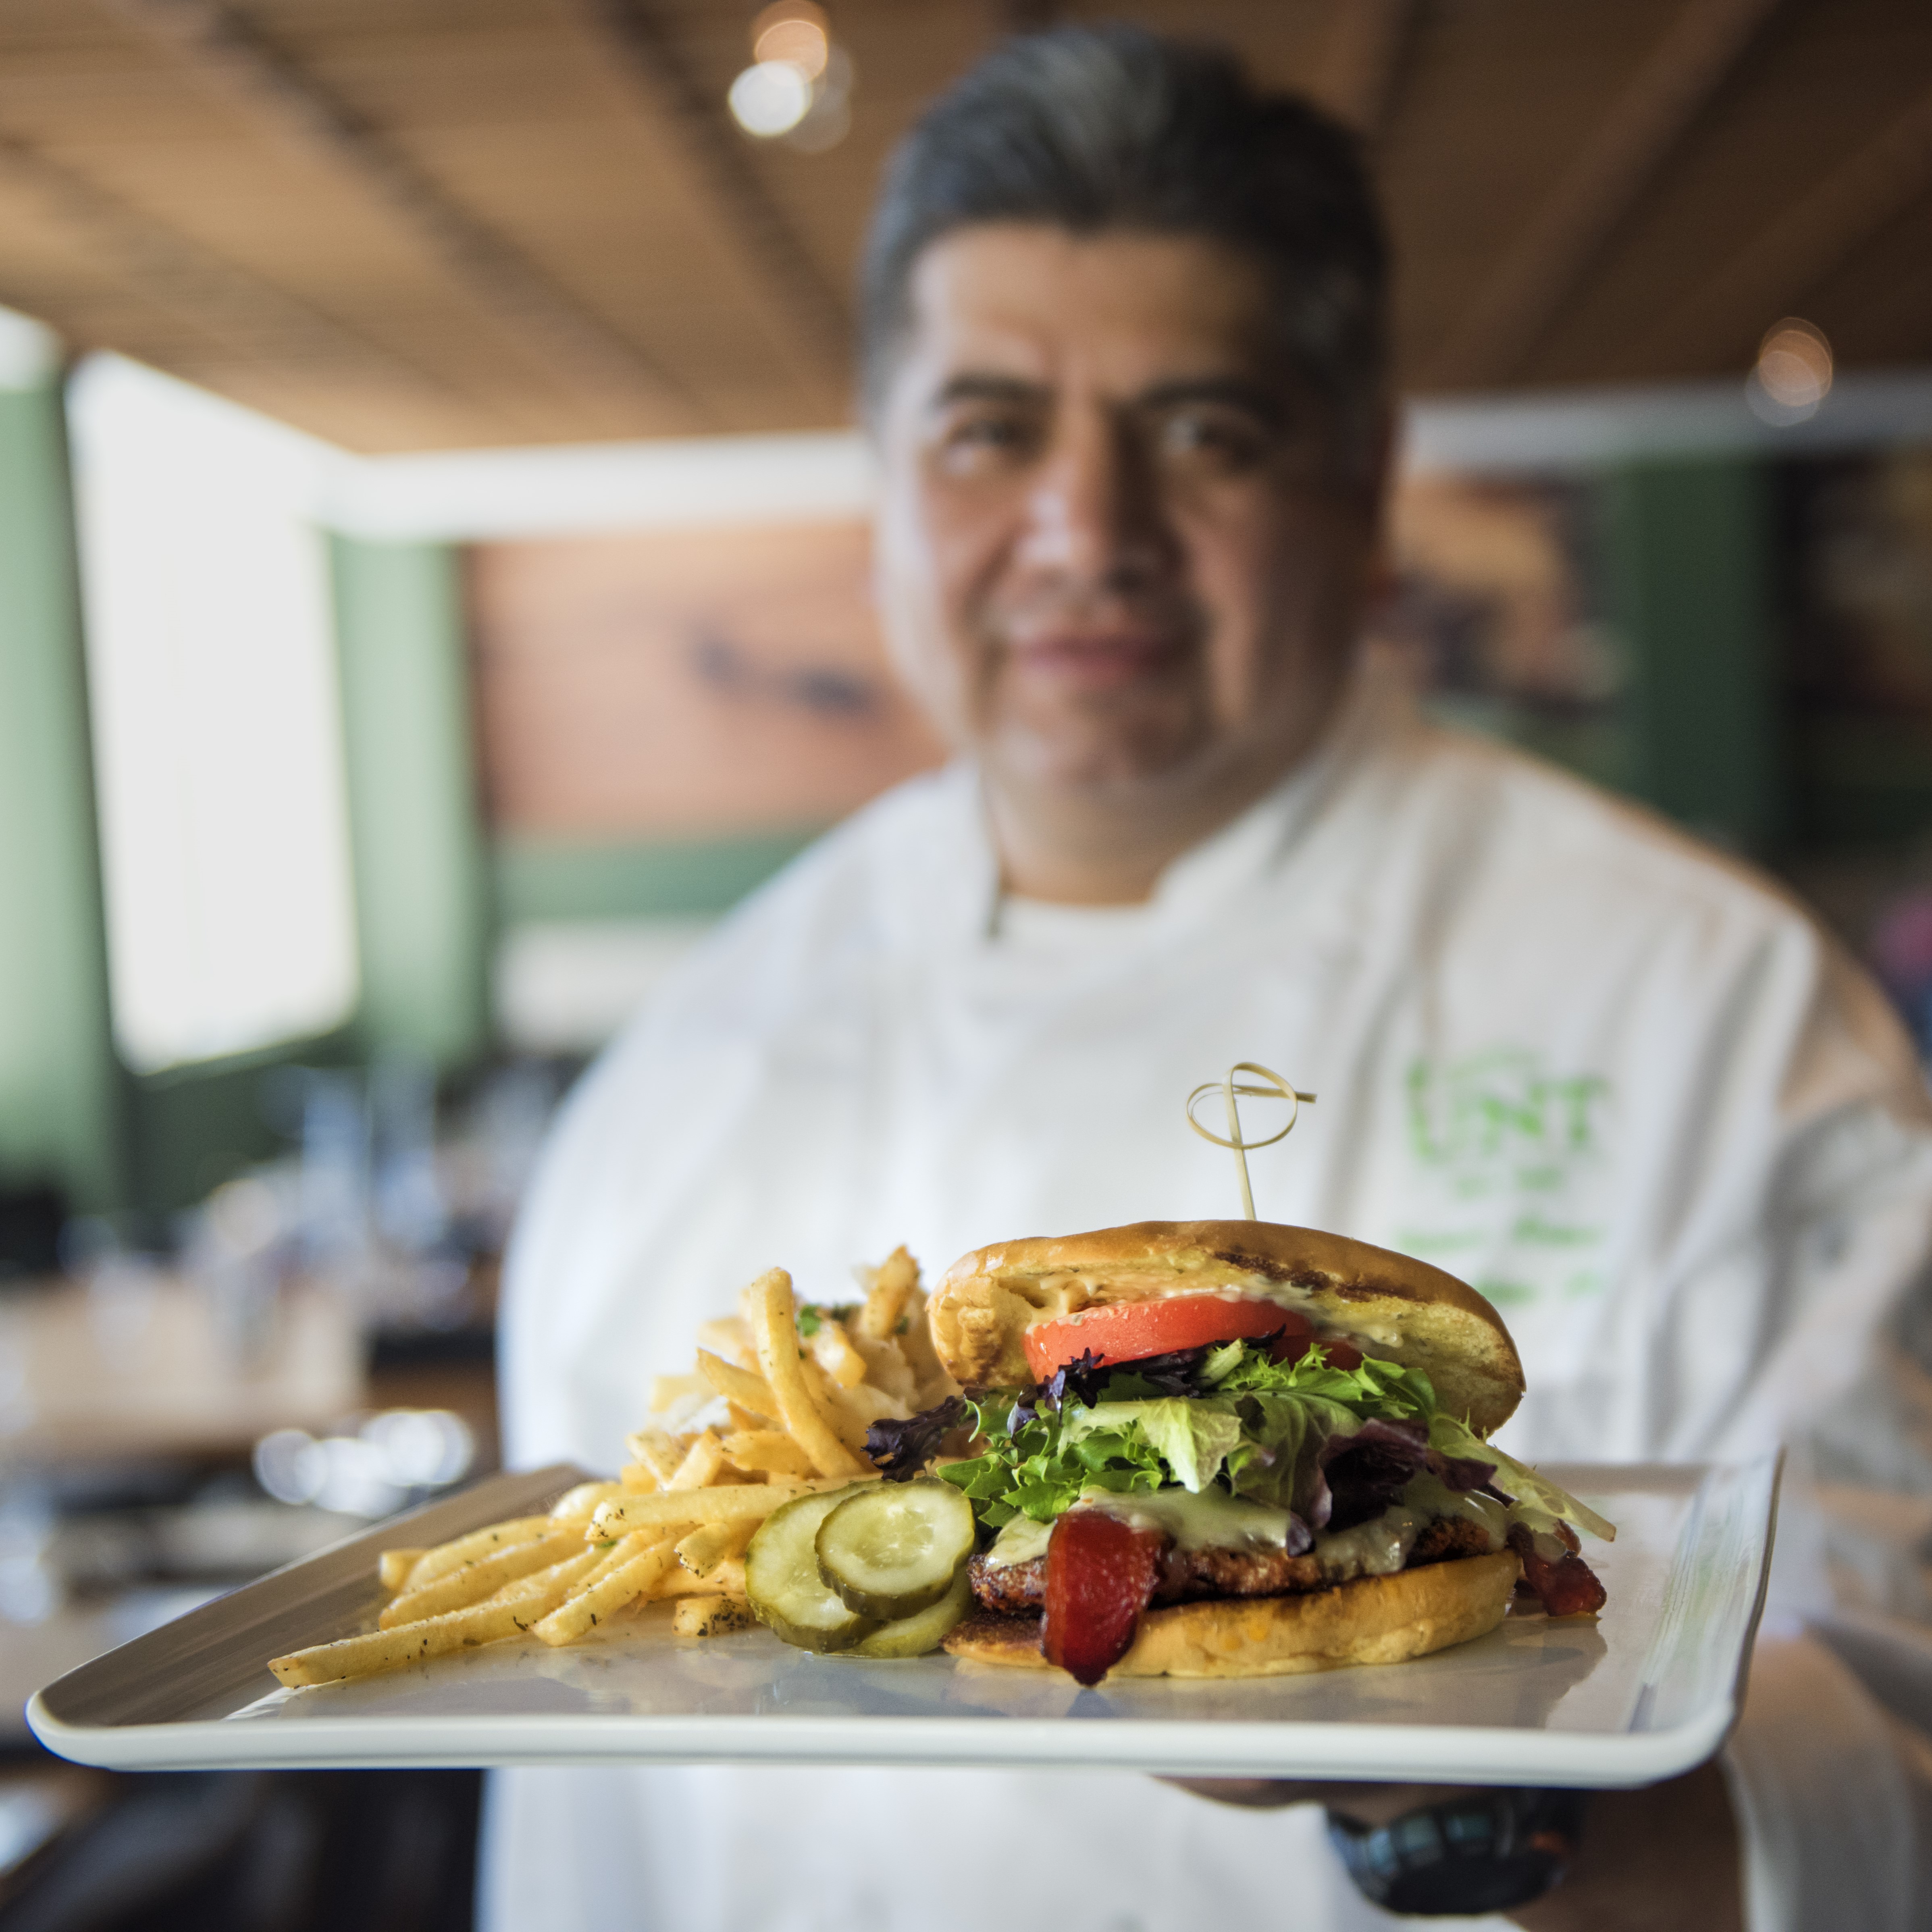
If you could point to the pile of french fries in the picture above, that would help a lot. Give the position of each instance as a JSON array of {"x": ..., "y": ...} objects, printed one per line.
[{"x": 799, "y": 1387}]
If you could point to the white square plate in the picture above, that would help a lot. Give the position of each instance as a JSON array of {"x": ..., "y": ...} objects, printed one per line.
[{"x": 1648, "y": 1689}]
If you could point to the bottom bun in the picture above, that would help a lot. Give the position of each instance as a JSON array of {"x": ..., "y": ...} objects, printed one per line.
[{"x": 1374, "y": 1620}]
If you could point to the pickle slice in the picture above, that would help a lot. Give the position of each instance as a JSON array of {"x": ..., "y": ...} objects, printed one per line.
[
  {"x": 782, "y": 1581},
  {"x": 913, "y": 1636},
  {"x": 892, "y": 1549}
]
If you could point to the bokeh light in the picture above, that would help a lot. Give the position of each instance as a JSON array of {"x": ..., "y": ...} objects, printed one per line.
[
  {"x": 770, "y": 98},
  {"x": 794, "y": 33},
  {"x": 799, "y": 87},
  {"x": 1793, "y": 372},
  {"x": 372, "y": 1471}
]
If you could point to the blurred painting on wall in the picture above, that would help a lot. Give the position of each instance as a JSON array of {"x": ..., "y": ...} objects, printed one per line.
[
  {"x": 676, "y": 683},
  {"x": 1856, "y": 543},
  {"x": 1497, "y": 610}
]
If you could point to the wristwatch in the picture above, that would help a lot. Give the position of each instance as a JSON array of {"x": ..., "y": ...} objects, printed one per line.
[{"x": 1484, "y": 1852}]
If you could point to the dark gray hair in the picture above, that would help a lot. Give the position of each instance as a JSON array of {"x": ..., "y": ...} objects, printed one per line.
[{"x": 1090, "y": 128}]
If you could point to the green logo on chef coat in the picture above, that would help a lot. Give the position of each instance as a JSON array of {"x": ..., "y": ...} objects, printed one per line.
[{"x": 1507, "y": 1146}]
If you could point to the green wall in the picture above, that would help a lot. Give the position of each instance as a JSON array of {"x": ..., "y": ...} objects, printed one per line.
[
  {"x": 1689, "y": 556},
  {"x": 59, "y": 1090},
  {"x": 562, "y": 879},
  {"x": 421, "y": 884}
]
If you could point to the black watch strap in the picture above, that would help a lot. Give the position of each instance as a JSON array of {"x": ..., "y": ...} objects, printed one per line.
[{"x": 1484, "y": 1852}]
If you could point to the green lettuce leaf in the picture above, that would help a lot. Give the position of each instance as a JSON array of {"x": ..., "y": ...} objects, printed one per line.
[
  {"x": 1040, "y": 1469},
  {"x": 1534, "y": 1495},
  {"x": 1192, "y": 1438},
  {"x": 1384, "y": 1389},
  {"x": 1279, "y": 1461},
  {"x": 1262, "y": 1432}
]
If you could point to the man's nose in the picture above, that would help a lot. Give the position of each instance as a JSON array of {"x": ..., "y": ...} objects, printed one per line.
[{"x": 1094, "y": 516}]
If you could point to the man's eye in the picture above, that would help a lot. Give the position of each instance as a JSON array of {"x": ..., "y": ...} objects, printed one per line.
[
  {"x": 1217, "y": 436},
  {"x": 985, "y": 437}
]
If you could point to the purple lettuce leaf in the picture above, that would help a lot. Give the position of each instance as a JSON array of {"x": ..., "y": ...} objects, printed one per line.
[
  {"x": 900, "y": 1449},
  {"x": 1367, "y": 1472}
]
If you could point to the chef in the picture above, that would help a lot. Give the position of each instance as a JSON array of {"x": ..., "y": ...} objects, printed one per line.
[{"x": 1124, "y": 361}]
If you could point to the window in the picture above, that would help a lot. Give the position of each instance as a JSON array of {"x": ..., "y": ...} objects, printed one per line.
[{"x": 218, "y": 735}]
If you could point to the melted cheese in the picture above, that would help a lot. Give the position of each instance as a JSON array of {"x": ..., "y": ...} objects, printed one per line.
[
  {"x": 1377, "y": 1548},
  {"x": 1212, "y": 1520},
  {"x": 1434, "y": 1497},
  {"x": 1215, "y": 1520}
]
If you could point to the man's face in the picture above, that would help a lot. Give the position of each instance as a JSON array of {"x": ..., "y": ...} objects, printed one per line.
[{"x": 1113, "y": 549}]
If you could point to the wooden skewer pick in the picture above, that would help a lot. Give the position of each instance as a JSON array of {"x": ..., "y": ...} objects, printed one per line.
[{"x": 1232, "y": 1091}]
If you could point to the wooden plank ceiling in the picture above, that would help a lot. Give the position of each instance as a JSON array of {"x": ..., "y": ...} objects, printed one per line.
[{"x": 421, "y": 223}]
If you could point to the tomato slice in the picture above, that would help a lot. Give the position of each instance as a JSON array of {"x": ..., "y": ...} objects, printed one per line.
[
  {"x": 1127, "y": 1331},
  {"x": 1337, "y": 1353}
]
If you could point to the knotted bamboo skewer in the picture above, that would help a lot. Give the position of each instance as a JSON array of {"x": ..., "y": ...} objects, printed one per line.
[{"x": 1233, "y": 1091}]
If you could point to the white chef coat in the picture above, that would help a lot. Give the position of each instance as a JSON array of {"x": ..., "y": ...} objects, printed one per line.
[{"x": 1621, "y": 1085}]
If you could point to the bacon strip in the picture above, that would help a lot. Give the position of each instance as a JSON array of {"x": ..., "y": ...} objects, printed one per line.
[
  {"x": 1100, "y": 1573},
  {"x": 1568, "y": 1588}
]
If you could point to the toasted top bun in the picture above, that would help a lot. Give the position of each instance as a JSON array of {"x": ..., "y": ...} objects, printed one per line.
[{"x": 1400, "y": 1310}]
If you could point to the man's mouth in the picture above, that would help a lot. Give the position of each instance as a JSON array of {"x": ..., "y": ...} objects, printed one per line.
[{"x": 1097, "y": 659}]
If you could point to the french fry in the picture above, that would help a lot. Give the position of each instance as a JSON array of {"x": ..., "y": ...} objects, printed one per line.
[
  {"x": 749, "y": 1502},
  {"x": 775, "y": 1333},
  {"x": 934, "y": 1383},
  {"x": 483, "y": 1578},
  {"x": 604, "y": 1558},
  {"x": 832, "y": 1349},
  {"x": 767, "y": 1452},
  {"x": 594, "y": 1602},
  {"x": 887, "y": 1367},
  {"x": 447, "y": 1557},
  {"x": 667, "y": 1391},
  {"x": 394, "y": 1566},
  {"x": 657, "y": 1451},
  {"x": 844, "y": 1418},
  {"x": 739, "y": 1385},
  {"x": 873, "y": 1404},
  {"x": 895, "y": 1280},
  {"x": 706, "y": 1547},
  {"x": 702, "y": 1462},
  {"x": 741, "y": 1419},
  {"x": 677, "y": 1581},
  {"x": 711, "y": 1616},
  {"x": 389, "y": 1649},
  {"x": 571, "y": 1571},
  {"x": 578, "y": 1505},
  {"x": 726, "y": 1337}
]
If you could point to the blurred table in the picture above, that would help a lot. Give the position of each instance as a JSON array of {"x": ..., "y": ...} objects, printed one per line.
[{"x": 154, "y": 1368}]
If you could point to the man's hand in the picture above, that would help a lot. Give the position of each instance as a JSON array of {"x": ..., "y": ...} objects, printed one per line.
[{"x": 1665, "y": 1858}]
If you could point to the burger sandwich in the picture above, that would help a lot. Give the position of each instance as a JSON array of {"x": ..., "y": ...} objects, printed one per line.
[{"x": 1231, "y": 1449}]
